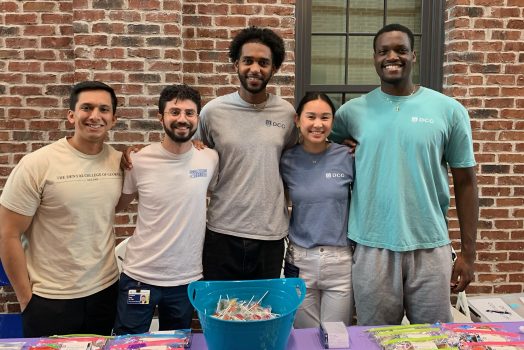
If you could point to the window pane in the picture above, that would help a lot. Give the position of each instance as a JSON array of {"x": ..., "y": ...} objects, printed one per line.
[
  {"x": 405, "y": 12},
  {"x": 328, "y": 16},
  {"x": 327, "y": 60},
  {"x": 336, "y": 99},
  {"x": 361, "y": 70},
  {"x": 366, "y": 15},
  {"x": 416, "y": 65}
]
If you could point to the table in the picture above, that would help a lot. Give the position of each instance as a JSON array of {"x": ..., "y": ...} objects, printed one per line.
[
  {"x": 309, "y": 339},
  {"x": 515, "y": 301}
]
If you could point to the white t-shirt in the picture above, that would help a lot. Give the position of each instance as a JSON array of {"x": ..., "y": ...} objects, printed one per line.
[
  {"x": 166, "y": 248},
  {"x": 71, "y": 196}
]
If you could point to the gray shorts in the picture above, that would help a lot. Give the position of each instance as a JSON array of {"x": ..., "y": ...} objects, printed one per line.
[{"x": 387, "y": 284}]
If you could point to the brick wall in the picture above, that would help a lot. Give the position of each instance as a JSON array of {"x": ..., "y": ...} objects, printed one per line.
[
  {"x": 136, "y": 46},
  {"x": 139, "y": 46},
  {"x": 484, "y": 70}
]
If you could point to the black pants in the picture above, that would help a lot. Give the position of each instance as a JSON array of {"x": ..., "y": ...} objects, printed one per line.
[
  {"x": 227, "y": 257},
  {"x": 94, "y": 314}
]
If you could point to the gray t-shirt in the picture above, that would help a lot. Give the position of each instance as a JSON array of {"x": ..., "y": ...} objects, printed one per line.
[
  {"x": 248, "y": 199},
  {"x": 319, "y": 188}
]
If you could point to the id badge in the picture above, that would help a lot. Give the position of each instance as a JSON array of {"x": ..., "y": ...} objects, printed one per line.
[{"x": 138, "y": 296}]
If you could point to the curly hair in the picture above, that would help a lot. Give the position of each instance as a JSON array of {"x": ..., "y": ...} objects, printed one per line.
[
  {"x": 180, "y": 92},
  {"x": 263, "y": 36}
]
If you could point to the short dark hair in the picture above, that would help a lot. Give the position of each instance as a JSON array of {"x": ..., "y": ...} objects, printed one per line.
[
  {"x": 263, "y": 36},
  {"x": 395, "y": 27},
  {"x": 179, "y": 92},
  {"x": 312, "y": 96},
  {"x": 90, "y": 86}
]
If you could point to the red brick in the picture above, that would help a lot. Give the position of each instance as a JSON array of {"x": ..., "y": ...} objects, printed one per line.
[
  {"x": 231, "y": 21},
  {"x": 55, "y": 18},
  {"x": 505, "y": 35},
  {"x": 144, "y": 5},
  {"x": 212, "y": 9},
  {"x": 507, "y": 288},
  {"x": 89, "y": 15},
  {"x": 109, "y": 53},
  {"x": 10, "y": 101},
  {"x": 514, "y": 69},
  {"x": 42, "y": 101},
  {"x": 516, "y": 277},
  {"x": 8, "y": 6},
  {"x": 515, "y": 24},
  {"x": 39, "y": 30},
  {"x": 511, "y": 113},
  {"x": 43, "y": 55},
  {"x": 500, "y": 79},
  {"x": 519, "y": 246},
  {"x": 510, "y": 202},
  {"x": 492, "y": 278},
  {"x": 505, "y": 12},
  {"x": 91, "y": 64},
  {"x": 497, "y": 124},
  {"x": 125, "y": 15},
  {"x": 58, "y": 66},
  {"x": 165, "y": 66},
  {"x": 39, "y": 6},
  {"x": 27, "y": 18},
  {"x": 127, "y": 65},
  {"x": 91, "y": 40},
  {"x": 12, "y": 78},
  {"x": 488, "y": 23}
]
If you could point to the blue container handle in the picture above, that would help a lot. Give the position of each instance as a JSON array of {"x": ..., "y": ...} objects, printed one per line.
[
  {"x": 192, "y": 289},
  {"x": 301, "y": 289},
  {"x": 197, "y": 286}
]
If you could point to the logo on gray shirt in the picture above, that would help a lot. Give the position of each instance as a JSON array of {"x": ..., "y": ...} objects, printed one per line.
[
  {"x": 277, "y": 124},
  {"x": 197, "y": 173}
]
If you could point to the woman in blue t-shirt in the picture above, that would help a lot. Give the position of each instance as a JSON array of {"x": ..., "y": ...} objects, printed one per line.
[{"x": 318, "y": 176}]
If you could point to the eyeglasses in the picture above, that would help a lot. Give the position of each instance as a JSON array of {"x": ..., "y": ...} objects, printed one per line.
[{"x": 176, "y": 112}]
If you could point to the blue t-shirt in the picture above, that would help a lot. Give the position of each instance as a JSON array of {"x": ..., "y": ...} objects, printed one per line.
[
  {"x": 401, "y": 191},
  {"x": 319, "y": 188}
]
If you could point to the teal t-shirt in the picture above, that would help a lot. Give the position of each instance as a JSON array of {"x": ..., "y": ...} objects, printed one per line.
[{"x": 401, "y": 193}]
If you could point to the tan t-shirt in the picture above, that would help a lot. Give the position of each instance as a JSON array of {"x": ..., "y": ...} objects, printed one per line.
[{"x": 69, "y": 245}]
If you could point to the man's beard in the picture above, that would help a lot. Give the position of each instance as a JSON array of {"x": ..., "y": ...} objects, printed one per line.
[
  {"x": 179, "y": 139},
  {"x": 245, "y": 85}
]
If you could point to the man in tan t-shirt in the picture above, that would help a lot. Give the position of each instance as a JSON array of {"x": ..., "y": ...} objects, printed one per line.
[{"x": 56, "y": 223}]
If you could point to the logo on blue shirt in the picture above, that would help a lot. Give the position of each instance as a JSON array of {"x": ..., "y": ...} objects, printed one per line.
[
  {"x": 421, "y": 120},
  {"x": 277, "y": 124},
  {"x": 197, "y": 173},
  {"x": 335, "y": 175}
]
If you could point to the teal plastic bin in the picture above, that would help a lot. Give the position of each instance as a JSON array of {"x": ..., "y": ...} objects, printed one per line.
[{"x": 284, "y": 296}]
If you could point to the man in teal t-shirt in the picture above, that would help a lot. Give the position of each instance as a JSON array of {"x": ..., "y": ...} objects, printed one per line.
[{"x": 407, "y": 136}]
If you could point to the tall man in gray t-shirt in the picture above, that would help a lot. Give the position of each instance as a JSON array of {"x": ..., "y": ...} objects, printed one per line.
[{"x": 247, "y": 214}]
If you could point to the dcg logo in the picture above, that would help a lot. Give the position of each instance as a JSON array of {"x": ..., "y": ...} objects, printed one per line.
[{"x": 277, "y": 124}]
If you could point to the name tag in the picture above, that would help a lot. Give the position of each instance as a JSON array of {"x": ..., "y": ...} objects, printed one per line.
[{"x": 135, "y": 296}]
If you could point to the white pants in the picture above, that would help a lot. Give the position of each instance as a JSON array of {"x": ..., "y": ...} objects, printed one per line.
[{"x": 327, "y": 273}]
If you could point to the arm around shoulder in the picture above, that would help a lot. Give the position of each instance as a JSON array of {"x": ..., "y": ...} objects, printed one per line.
[
  {"x": 124, "y": 201},
  {"x": 12, "y": 226}
]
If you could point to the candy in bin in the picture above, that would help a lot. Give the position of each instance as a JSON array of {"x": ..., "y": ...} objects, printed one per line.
[{"x": 242, "y": 310}]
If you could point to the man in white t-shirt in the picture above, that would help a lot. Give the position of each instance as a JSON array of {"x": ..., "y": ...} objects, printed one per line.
[
  {"x": 164, "y": 255},
  {"x": 56, "y": 223}
]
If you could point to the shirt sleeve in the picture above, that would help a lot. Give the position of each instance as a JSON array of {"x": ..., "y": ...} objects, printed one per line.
[
  {"x": 340, "y": 131},
  {"x": 23, "y": 190},
  {"x": 202, "y": 133},
  {"x": 459, "y": 149},
  {"x": 130, "y": 185}
]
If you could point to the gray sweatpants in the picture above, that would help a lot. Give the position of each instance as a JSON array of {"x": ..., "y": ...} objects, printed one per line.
[{"x": 386, "y": 284}]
